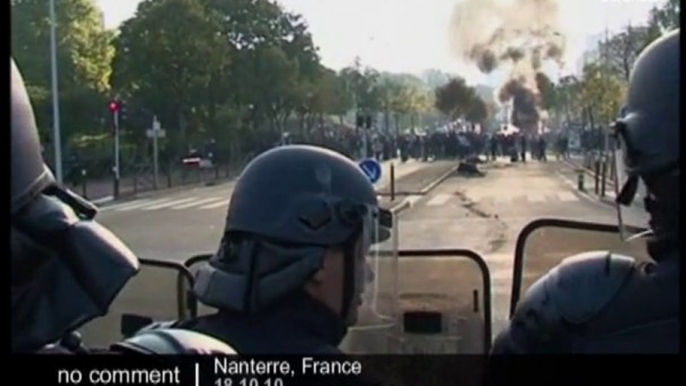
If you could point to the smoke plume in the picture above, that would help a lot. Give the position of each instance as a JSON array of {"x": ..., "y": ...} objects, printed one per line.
[{"x": 519, "y": 34}]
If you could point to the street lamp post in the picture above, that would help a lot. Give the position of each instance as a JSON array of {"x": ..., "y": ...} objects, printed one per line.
[{"x": 57, "y": 138}]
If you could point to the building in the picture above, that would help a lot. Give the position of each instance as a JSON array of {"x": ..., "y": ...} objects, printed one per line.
[{"x": 591, "y": 52}]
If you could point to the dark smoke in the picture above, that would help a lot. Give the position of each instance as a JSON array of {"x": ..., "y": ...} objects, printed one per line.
[
  {"x": 525, "y": 102},
  {"x": 513, "y": 54},
  {"x": 485, "y": 59},
  {"x": 524, "y": 34}
]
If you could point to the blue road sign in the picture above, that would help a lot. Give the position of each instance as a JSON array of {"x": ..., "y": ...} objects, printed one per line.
[{"x": 372, "y": 168}]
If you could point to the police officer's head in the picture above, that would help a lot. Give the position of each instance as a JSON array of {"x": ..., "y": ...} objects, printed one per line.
[
  {"x": 301, "y": 218},
  {"x": 66, "y": 269},
  {"x": 648, "y": 133}
]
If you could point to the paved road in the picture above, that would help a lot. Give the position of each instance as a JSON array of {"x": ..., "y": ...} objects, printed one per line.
[
  {"x": 483, "y": 214},
  {"x": 177, "y": 225}
]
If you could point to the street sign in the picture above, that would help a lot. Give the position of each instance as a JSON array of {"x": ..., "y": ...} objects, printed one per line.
[
  {"x": 150, "y": 133},
  {"x": 372, "y": 168}
]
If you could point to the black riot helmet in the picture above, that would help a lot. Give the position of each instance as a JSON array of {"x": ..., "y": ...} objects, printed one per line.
[
  {"x": 66, "y": 268},
  {"x": 288, "y": 206},
  {"x": 647, "y": 132}
]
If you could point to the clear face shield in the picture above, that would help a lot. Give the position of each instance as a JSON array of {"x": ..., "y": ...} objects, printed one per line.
[
  {"x": 374, "y": 307},
  {"x": 630, "y": 219}
]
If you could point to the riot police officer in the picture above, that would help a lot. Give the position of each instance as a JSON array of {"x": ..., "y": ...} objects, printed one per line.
[
  {"x": 630, "y": 307},
  {"x": 66, "y": 269},
  {"x": 290, "y": 269}
]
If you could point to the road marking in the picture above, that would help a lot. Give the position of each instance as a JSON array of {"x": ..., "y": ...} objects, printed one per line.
[
  {"x": 122, "y": 205},
  {"x": 216, "y": 205},
  {"x": 196, "y": 203},
  {"x": 567, "y": 196},
  {"x": 535, "y": 197},
  {"x": 412, "y": 199},
  {"x": 167, "y": 204},
  {"x": 142, "y": 204},
  {"x": 439, "y": 199}
]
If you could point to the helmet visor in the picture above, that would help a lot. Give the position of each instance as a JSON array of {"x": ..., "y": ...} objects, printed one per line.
[{"x": 376, "y": 280}]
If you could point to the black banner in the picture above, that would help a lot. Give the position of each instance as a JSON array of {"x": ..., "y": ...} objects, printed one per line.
[{"x": 119, "y": 370}]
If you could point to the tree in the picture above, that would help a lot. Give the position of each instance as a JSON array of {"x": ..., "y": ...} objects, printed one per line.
[
  {"x": 84, "y": 54},
  {"x": 454, "y": 99},
  {"x": 344, "y": 98},
  {"x": 166, "y": 58},
  {"x": 363, "y": 84},
  {"x": 255, "y": 31},
  {"x": 548, "y": 93},
  {"x": 569, "y": 97},
  {"x": 622, "y": 49},
  {"x": 478, "y": 112},
  {"x": 667, "y": 17},
  {"x": 602, "y": 93}
]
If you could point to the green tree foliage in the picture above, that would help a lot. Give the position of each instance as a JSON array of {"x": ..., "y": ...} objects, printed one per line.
[
  {"x": 457, "y": 100},
  {"x": 166, "y": 57},
  {"x": 601, "y": 93},
  {"x": 667, "y": 17},
  {"x": 84, "y": 54}
]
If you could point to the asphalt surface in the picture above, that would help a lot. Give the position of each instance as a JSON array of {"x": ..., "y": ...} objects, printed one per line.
[
  {"x": 481, "y": 214},
  {"x": 485, "y": 215}
]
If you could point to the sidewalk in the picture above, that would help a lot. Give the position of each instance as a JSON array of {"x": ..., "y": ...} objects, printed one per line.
[
  {"x": 576, "y": 162},
  {"x": 401, "y": 169},
  {"x": 414, "y": 179},
  {"x": 101, "y": 191}
]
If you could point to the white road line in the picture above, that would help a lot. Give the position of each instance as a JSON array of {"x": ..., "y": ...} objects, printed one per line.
[
  {"x": 142, "y": 204},
  {"x": 567, "y": 196},
  {"x": 439, "y": 199},
  {"x": 535, "y": 197},
  {"x": 413, "y": 199},
  {"x": 168, "y": 204},
  {"x": 123, "y": 205},
  {"x": 216, "y": 205},
  {"x": 196, "y": 203}
]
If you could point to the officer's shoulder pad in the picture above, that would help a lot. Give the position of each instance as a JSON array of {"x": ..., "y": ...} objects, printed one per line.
[
  {"x": 173, "y": 341},
  {"x": 583, "y": 284}
]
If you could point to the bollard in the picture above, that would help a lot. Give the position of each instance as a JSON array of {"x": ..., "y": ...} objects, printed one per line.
[
  {"x": 116, "y": 188},
  {"x": 84, "y": 189},
  {"x": 580, "y": 180},
  {"x": 603, "y": 181},
  {"x": 392, "y": 182},
  {"x": 597, "y": 177}
]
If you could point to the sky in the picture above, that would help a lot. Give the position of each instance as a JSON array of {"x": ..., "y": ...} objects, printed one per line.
[{"x": 412, "y": 35}]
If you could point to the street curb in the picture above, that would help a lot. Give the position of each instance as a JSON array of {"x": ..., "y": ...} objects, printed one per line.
[
  {"x": 440, "y": 179},
  {"x": 586, "y": 170},
  {"x": 103, "y": 200},
  {"x": 407, "y": 203},
  {"x": 603, "y": 200},
  {"x": 148, "y": 193}
]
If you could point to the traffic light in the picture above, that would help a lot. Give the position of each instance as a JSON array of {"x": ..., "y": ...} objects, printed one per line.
[
  {"x": 114, "y": 106},
  {"x": 369, "y": 121},
  {"x": 122, "y": 110}
]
